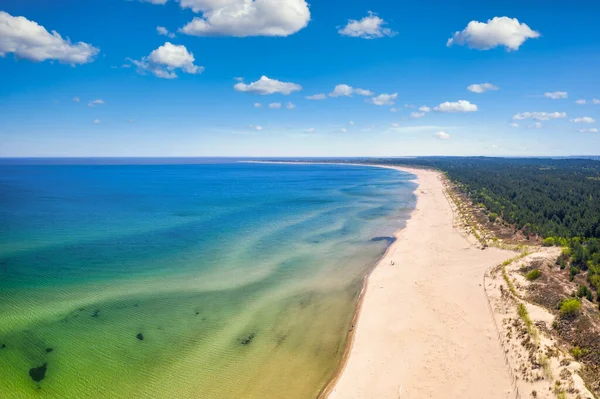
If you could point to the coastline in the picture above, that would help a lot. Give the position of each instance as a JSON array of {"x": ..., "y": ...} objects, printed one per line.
[{"x": 376, "y": 352}]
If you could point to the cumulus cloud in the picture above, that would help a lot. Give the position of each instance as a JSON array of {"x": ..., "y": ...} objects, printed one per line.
[
  {"x": 76, "y": 99},
  {"x": 319, "y": 96},
  {"x": 343, "y": 130},
  {"x": 257, "y": 127},
  {"x": 591, "y": 130},
  {"x": 342, "y": 90},
  {"x": 393, "y": 109},
  {"x": 347, "y": 91},
  {"x": 161, "y": 30},
  {"x": 417, "y": 115},
  {"x": 499, "y": 31},
  {"x": 310, "y": 130},
  {"x": 584, "y": 119},
  {"x": 257, "y": 105},
  {"x": 482, "y": 87},
  {"x": 363, "y": 92},
  {"x": 595, "y": 101},
  {"x": 540, "y": 116},
  {"x": 165, "y": 60},
  {"x": 290, "y": 105},
  {"x": 424, "y": 108},
  {"x": 384, "y": 99},
  {"x": 581, "y": 101},
  {"x": 370, "y": 27},
  {"x": 351, "y": 123},
  {"x": 96, "y": 121},
  {"x": 28, "y": 40},
  {"x": 514, "y": 125},
  {"x": 94, "y": 102},
  {"x": 536, "y": 125},
  {"x": 556, "y": 95},
  {"x": 246, "y": 17},
  {"x": 442, "y": 135},
  {"x": 154, "y": 1},
  {"x": 275, "y": 105},
  {"x": 459, "y": 106},
  {"x": 265, "y": 86}
]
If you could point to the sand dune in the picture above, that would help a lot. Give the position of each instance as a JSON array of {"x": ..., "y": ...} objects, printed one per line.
[{"x": 424, "y": 329}]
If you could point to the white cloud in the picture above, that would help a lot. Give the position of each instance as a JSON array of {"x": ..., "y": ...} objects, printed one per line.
[
  {"x": 499, "y": 31},
  {"x": 96, "y": 121},
  {"x": 94, "y": 102},
  {"x": 154, "y": 1},
  {"x": 341, "y": 90},
  {"x": 351, "y": 123},
  {"x": 319, "y": 96},
  {"x": 363, "y": 92},
  {"x": 275, "y": 105},
  {"x": 384, "y": 99},
  {"x": 442, "y": 135},
  {"x": 393, "y": 109},
  {"x": 584, "y": 119},
  {"x": 514, "y": 125},
  {"x": 290, "y": 105},
  {"x": 482, "y": 87},
  {"x": 459, "y": 106},
  {"x": 257, "y": 105},
  {"x": 417, "y": 114},
  {"x": 536, "y": 125},
  {"x": 540, "y": 116},
  {"x": 163, "y": 62},
  {"x": 591, "y": 130},
  {"x": 76, "y": 99},
  {"x": 343, "y": 130},
  {"x": 557, "y": 95},
  {"x": 395, "y": 125},
  {"x": 347, "y": 91},
  {"x": 246, "y": 17},
  {"x": 424, "y": 108},
  {"x": 161, "y": 30},
  {"x": 28, "y": 40},
  {"x": 581, "y": 101},
  {"x": 257, "y": 128},
  {"x": 310, "y": 130},
  {"x": 409, "y": 106},
  {"x": 265, "y": 86},
  {"x": 370, "y": 27},
  {"x": 595, "y": 101}
]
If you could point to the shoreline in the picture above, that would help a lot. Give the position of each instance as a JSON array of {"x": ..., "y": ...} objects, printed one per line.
[
  {"x": 370, "y": 347},
  {"x": 326, "y": 390}
]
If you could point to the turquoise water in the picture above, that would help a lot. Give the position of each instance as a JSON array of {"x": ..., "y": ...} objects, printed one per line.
[{"x": 203, "y": 280}]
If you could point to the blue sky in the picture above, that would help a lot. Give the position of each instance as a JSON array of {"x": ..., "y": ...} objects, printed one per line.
[{"x": 536, "y": 67}]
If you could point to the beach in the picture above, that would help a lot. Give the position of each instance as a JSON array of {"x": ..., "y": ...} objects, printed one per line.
[{"x": 424, "y": 329}]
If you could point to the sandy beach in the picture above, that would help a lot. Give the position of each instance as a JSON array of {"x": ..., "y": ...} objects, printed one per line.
[{"x": 424, "y": 329}]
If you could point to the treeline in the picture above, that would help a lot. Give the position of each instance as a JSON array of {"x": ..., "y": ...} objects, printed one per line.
[{"x": 545, "y": 197}]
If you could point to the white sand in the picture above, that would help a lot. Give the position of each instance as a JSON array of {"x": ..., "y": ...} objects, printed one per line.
[{"x": 424, "y": 329}]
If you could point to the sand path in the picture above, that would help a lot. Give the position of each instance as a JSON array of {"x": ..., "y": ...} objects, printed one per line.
[{"x": 424, "y": 329}]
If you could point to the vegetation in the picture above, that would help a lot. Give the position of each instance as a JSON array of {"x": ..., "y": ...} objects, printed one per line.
[
  {"x": 569, "y": 308},
  {"x": 533, "y": 275},
  {"x": 576, "y": 352},
  {"x": 524, "y": 315}
]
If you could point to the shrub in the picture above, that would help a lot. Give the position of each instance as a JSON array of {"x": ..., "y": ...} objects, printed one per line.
[
  {"x": 570, "y": 307},
  {"x": 577, "y": 353},
  {"x": 492, "y": 217},
  {"x": 549, "y": 242},
  {"x": 533, "y": 275},
  {"x": 584, "y": 291}
]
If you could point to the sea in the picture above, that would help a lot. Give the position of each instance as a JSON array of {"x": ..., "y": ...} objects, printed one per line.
[{"x": 187, "y": 278}]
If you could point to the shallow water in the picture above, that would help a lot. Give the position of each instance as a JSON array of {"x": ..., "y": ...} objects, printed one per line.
[{"x": 210, "y": 280}]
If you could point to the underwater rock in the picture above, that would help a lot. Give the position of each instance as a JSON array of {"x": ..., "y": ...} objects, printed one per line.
[
  {"x": 197, "y": 313},
  {"x": 96, "y": 313},
  {"x": 48, "y": 350},
  {"x": 140, "y": 337},
  {"x": 2, "y": 346},
  {"x": 248, "y": 339},
  {"x": 38, "y": 373}
]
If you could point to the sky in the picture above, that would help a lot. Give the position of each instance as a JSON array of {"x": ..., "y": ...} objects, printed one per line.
[{"x": 299, "y": 78}]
